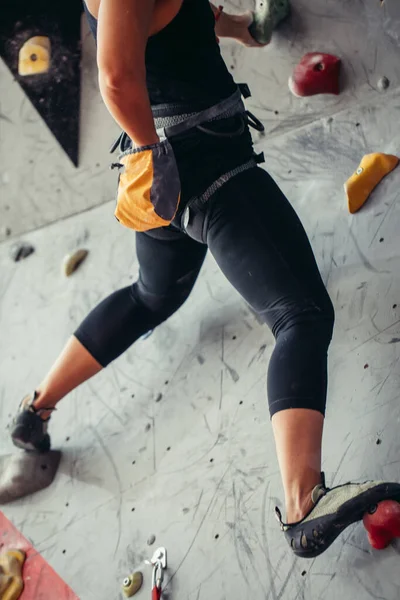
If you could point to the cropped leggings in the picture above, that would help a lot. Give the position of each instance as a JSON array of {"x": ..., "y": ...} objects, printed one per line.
[{"x": 261, "y": 247}]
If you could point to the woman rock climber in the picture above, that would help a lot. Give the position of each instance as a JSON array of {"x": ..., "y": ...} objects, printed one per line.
[{"x": 190, "y": 182}]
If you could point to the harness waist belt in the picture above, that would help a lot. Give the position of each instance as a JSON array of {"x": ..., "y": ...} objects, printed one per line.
[
  {"x": 169, "y": 121},
  {"x": 168, "y": 126}
]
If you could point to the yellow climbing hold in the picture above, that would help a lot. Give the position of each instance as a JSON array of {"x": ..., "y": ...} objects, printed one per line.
[
  {"x": 73, "y": 261},
  {"x": 34, "y": 56},
  {"x": 373, "y": 168},
  {"x": 11, "y": 582},
  {"x": 132, "y": 584}
]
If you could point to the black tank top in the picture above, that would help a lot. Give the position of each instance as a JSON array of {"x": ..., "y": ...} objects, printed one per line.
[{"x": 183, "y": 61}]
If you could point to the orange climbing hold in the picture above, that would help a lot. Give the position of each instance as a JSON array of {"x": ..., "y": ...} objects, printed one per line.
[
  {"x": 11, "y": 581},
  {"x": 373, "y": 168}
]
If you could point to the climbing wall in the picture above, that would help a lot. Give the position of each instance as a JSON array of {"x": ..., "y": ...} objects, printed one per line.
[{"x": 173, "y": 441}]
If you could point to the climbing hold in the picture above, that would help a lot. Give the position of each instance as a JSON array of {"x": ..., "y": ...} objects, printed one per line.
[
  {"x": 382, "y": 523},
  {"x": 373, "y": 168},
  {"x": 266, "y": 17},
  {"x": 34, "y": 56},
  {"x": 73, "y": 261},
  {"x": 147, "y": 335},
  {"x": 11, "y": 581},
  {"x": 383, "y": 84},
  {"x": 151, "y": 540},
  {"x": 132, "y": 584},
  {"x": 316, "y": 73},
  {"x": 24, "y": 473},
  {"x": 20, "y": 251}
]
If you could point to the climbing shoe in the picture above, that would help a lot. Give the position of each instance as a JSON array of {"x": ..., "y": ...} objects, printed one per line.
[
  {"x": 28, "y": 429},
  {"x": 334, "y": 510},
  {"x": 266, "y": 17}
]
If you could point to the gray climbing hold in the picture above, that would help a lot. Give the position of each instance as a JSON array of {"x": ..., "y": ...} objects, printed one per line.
[
  {"x": 25, "y": 473},
  {"x": 151, "y": 540},
  {"x": 6, "y": 231},
  {"x": 159, "y": 397},
  {"x": 383, "y": 84},
  {"x": 266, "y": 17},
  {"x": 20, "y": 251},
  {"x": 73, "y": 261}
]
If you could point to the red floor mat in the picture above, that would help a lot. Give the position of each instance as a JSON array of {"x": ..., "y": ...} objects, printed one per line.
[{"x": 41, "y": 581}]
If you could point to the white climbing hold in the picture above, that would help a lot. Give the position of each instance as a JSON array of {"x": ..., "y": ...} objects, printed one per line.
[
  {"x": 383, "y": 84},
  {"x": 151, "y": 539}
]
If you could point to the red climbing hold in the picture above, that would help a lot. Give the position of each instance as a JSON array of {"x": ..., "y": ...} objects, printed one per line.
[
  {"x": 383, "y": 523},
  {"x": 316, "y": 73}
]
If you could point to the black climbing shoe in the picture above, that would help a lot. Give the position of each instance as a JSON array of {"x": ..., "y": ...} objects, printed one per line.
[
  {"x": 266, "y": 17},
  {"x": 334, "y": 510},
  {"x": 28, "y": 429}
]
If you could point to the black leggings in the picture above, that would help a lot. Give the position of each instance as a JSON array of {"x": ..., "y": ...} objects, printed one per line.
[{"x": 260, "y": 245}]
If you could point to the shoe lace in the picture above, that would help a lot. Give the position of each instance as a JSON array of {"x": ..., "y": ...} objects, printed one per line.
[{"x": 38, "y": 411}]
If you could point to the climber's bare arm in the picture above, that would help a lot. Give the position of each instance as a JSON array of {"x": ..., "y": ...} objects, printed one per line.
[{"x": 122, "y": 32}]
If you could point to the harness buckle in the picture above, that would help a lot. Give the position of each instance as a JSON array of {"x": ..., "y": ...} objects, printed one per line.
[{"x": 244, "y": 90}]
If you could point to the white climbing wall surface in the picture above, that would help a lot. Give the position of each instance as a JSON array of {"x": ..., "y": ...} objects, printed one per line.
[{"x": 196, "y": 468}]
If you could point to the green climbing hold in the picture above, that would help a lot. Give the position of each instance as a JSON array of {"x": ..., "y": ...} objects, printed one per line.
[{"x": 266, "y": 17}]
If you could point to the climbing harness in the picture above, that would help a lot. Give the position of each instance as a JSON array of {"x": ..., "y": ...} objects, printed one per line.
[
  {"x": 173, "y": 119},
  {"x": 149, "y": 189}
]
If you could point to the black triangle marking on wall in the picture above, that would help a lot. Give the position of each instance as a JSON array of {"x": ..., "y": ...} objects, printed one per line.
[{"x": 55, "y": 94}]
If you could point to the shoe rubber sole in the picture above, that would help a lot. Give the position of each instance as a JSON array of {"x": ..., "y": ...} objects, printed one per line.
[{"x": 310, "y": 539}]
